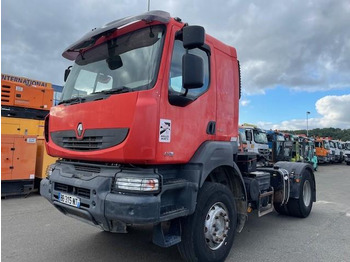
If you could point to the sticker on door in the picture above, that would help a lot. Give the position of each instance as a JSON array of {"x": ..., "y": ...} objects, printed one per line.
[{"x": 165, "y": 131}]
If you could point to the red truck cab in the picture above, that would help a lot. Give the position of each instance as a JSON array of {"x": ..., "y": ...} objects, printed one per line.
[{"x": 132, "y": 107}]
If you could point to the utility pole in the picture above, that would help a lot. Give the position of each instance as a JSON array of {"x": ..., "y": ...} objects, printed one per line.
[
  {"x": 307, "y": 123},
  {"x": 149, "y": 4}
]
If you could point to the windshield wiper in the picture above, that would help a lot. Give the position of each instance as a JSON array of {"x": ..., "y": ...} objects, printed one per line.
[
  {"x": 71, "y": 100},
  {"x": 123, "y": 89}
]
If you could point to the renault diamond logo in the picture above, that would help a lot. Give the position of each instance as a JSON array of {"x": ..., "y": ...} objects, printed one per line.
[{"x": 80, "y": 129}]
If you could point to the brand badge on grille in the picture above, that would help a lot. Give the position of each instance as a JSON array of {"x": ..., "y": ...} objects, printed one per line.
[{"x": 80, "y": 129}]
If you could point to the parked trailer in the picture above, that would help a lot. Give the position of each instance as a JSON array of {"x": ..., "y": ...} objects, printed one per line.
[{"x": 167, "y": 148}]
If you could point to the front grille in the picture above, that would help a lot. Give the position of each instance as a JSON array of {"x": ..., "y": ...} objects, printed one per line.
[
  {"x": 83, "y": 192},
  {"x": 93, "y": 139},
  {"x": 85, "y": 144},
  {"x": 78, "y": 191},
  {"x": 263, "y": 151},
  {"x": 61, "y": 187},
  {"x": 90, "y": 169}
]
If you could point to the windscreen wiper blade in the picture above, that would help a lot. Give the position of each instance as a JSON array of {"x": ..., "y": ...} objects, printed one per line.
[
  {"x": 71, "y": 100},
  {"x": 123, "y": 89}
]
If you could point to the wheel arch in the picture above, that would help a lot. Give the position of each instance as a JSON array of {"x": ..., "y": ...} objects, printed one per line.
[{"x": 216, "y": 159}]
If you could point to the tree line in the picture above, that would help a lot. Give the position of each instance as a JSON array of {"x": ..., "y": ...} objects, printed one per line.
[{"x": 334, "y": 133}]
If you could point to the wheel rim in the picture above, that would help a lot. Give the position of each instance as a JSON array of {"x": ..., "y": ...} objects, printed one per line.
[
  {"x": 307, "y": 193},
  {"x": 216, "y": 226}
]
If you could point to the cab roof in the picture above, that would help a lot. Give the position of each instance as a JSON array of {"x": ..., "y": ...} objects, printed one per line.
[{"x": 89, "y": 39}]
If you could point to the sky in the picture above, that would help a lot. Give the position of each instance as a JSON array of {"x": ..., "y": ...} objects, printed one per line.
[{"x": 294, "y": 55}]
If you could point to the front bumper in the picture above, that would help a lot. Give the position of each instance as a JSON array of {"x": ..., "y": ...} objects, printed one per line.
[
  {"x": 347, "y": 158},
  {"x": 323, "y": 159},
  {"x": 112, "y": 211}
]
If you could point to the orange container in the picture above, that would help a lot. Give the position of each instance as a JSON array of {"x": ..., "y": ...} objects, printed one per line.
[
  {"x": 18, "y": 157},
  {"x": 24, "y": 92}
]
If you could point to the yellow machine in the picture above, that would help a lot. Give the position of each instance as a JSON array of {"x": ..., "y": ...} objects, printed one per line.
[
  {"x": 24, "y": 105},
  {"x": 22, "y": 126}
]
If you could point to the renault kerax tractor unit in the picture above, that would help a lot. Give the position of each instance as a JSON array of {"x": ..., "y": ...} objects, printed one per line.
[{"x": 147, "y": 133}]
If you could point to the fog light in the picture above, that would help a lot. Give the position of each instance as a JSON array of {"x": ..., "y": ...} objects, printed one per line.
[{"x": 137, "y": 184}]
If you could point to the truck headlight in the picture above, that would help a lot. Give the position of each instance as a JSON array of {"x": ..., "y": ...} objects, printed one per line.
[
  {"x": 49, "y": 170},
  {"x": 137, "y": 184}
]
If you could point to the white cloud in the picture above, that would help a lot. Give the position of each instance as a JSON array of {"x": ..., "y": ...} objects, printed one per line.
[
  {"x": 334, "y": 111},
  {"x": 264, "y": 125},
  {"x": 245, "y": 102}
]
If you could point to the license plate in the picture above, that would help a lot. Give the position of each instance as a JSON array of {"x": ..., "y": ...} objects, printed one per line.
[{"x": 69, "y": 200}]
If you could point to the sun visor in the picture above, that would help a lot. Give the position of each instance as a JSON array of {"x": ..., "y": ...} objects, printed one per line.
[{"x": 90, "y": 38}]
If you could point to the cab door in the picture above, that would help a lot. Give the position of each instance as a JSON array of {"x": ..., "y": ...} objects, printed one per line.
[{"x": 187, "y": 116}]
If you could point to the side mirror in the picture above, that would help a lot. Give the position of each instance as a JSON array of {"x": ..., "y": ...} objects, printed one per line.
[
  {"x": 193, "y": 71},
  {"x": 66, "y": 73},
  {"x": 193, "y": 36}
]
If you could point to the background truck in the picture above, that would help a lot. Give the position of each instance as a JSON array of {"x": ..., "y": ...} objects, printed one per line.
[
  {"x": 322, "y": 150},
  {"x": 347, "y": 152},
  {"x": 257, "y": 142},
  {"x": 341, "y": 147},
  {"x": 147, "y": 133},
  {"x": 280, "y": 148},
  {"x": 335, "y": 150}
]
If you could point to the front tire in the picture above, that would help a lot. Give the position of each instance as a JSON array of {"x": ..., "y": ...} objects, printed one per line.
[{"x": 207, "y": 235}]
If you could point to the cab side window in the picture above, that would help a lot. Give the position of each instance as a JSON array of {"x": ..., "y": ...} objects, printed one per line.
[{"x": 177, "y": 94}]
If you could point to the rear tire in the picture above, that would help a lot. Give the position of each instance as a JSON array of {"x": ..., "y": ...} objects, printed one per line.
[
  {"x": 207, "y": 235},
  {"x": 283, "y": 210},
  {"x": 302, "y": 207}
]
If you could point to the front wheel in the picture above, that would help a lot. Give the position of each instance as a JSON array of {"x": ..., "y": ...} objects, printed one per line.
[{"x": 207, "y": 235}]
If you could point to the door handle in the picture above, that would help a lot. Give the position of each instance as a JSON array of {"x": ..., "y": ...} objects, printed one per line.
[{"x": 211, "y": 128}]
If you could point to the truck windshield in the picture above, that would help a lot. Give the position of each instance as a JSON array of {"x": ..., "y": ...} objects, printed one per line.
[
  {"x": 347, "y": 146},
  {"x": 280, "y": 137},
  {"x": 126, "y": 63},
  {"x": 332, "y": 144},
  {"x": 326, "y": 144},
  {"x": 260, "y": 137}
]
